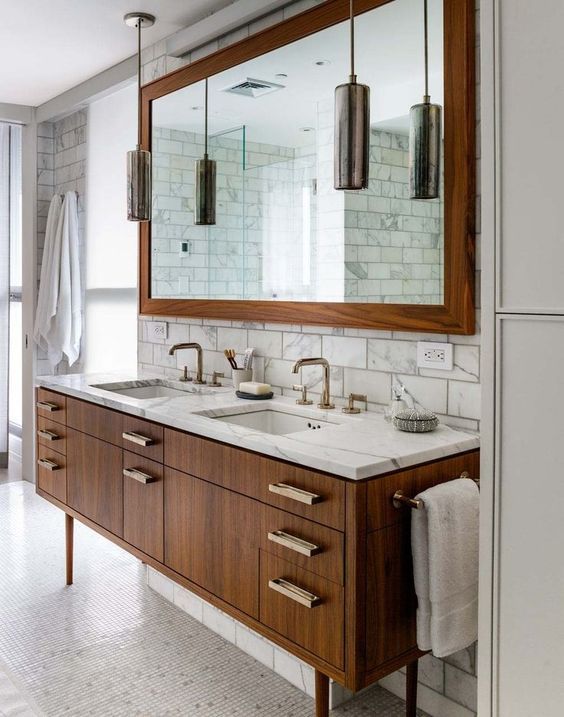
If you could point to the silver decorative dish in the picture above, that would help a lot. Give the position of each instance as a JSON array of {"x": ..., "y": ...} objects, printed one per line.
[{"x": 415, "y": 420}]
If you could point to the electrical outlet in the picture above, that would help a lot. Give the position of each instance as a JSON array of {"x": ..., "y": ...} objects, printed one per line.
[
  {"x": 157, "y": 330},
  {"x": 435, "y": 355}
]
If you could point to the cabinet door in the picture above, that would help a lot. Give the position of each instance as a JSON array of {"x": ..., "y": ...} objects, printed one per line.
[
  {"x": 143, "y": 504},
  {"x": 211, "y": 537},
  {"x": 94, "y": 480}
]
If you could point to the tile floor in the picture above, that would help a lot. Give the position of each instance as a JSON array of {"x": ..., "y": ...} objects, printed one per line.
[{"x": 110, "y": 646}]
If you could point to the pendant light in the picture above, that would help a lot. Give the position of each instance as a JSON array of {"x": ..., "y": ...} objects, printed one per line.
[
  {"x": 425, "y": 139},
  {"x": 139, "y": 160},
  {"x": 204, "y": 208},
  {"x": 352, "y": 128}
]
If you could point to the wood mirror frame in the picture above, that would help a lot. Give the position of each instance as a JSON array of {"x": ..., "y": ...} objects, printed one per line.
[{"x": 456, "y": 315}]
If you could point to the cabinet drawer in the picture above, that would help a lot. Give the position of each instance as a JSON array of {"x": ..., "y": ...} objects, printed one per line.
[
  {"x": 306, "y": 544},
  {"x": 285, "y": 593},
  {"x": 52, "y": 473},
  {"x": 97, "y": 421},
  {"x": 318, "y": 497},
  {"x": 143, "y": 437},
  {"x": 143, "y": 504},
  {"x": 51, "y": 405},
  {"x": 52, "y": 435}
]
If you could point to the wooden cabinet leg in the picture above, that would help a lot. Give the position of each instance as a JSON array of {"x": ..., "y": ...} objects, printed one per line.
[
  {"x": 69, "y": 536},
  {"x": 411, "y": 689},
  {"x": 321, "y": 694}
]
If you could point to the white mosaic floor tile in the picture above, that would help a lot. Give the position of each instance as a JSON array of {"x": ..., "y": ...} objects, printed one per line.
[{"x": 110, "y": 646}]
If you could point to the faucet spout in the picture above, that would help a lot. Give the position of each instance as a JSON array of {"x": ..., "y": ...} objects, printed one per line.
[
  {"x": 326, "y": 392},
  {"x": 200, "y": 371}
]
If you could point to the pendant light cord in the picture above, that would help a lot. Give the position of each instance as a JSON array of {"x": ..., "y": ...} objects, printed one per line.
[
  {"x": 206, "y": 122},
  {"x": 139, "y": 24},
  {"x": 426, "y": 31},
  {"x": 353, "y": 76}
]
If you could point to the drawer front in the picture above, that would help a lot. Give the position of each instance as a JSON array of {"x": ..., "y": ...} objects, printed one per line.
[
  {"x": 308, "y": 545},
  {"x": 315, "y": 496},
  {"x": 285, "y": 593},
  {"x": 51, "y": 405},
  {"x": 52, "y": 473},
  {"x": 97, "y": 421},
  {"x": 52, "y": 435},
  {"x": 143, "y": 504},
  {"x": 143, "y": 437}
]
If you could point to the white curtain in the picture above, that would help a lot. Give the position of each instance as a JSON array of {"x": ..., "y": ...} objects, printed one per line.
[{"x": 4, "y": 287}]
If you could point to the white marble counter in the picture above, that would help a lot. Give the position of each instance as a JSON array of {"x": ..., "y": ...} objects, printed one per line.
[{"x": 352, "y": 446}]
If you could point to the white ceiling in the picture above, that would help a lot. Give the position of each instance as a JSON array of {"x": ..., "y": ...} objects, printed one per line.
[
  {"x": 389, "y": 44},
  {"x": 49, "y": 46}
]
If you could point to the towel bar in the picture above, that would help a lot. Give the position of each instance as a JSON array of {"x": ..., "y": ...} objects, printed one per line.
[{"x": 400, "y": 500}]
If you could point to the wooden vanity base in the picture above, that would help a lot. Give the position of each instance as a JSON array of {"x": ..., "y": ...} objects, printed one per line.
[
  {"x": 317, "y": 564},
  {"x": 69, "y": 540}
]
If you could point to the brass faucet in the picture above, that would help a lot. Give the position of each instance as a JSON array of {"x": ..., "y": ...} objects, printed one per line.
[
  {"x": 326, "y": 393},
  {"x": 200, "y": 371}
]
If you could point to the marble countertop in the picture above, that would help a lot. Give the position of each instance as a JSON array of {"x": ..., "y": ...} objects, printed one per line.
[{"x": 352, "y": 446}]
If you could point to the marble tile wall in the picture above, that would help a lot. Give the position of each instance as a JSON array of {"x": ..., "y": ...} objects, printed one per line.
[
  {"x": 61, "y": 167},
  {"x": 363, "y": 361}
]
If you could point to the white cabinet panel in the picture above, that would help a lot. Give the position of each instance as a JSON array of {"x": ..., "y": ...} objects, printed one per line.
[
  {"x": 531, "y": 499},
  {"x": 532, "y": 156}
]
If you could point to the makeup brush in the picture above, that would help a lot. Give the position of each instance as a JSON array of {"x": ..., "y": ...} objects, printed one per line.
[{"x": 230, "y": 356}]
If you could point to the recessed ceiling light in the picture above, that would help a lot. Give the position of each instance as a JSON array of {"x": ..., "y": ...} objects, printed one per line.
[
  {"x": 307, "y": 129},
  {"x": 322, "y": 63}
]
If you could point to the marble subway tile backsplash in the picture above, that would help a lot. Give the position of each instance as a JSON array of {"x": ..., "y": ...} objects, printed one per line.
[{"x": 367, "y": 363}]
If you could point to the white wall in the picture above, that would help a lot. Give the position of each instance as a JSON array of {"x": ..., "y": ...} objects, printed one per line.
[{"x": 111, "y": 241}]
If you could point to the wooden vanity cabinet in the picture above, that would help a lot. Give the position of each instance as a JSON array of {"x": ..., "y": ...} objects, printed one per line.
[{"x": 318, "y": 564}]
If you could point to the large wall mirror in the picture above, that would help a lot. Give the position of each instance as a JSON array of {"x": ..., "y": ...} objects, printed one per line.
[{"x": 287, "y": 246}]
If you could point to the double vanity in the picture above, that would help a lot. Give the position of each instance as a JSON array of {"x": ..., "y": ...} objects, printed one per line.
[{"x": 280, "y": 515}]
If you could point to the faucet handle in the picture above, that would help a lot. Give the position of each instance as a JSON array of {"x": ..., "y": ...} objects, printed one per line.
[
  {"x": 351, "y": 408},
  {"x": 185, "y": 377},
  {"x": 215, "y": 376},
  {"x": 303, "y": 401}
]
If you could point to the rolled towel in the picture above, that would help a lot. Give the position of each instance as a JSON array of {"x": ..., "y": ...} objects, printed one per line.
[{"x": 444, "y": 543}]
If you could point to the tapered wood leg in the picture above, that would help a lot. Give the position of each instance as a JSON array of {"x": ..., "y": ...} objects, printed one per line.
[
  {"x": 321, "y": 694},
  {"x": 69, "y": 537},
  {"x": 411, "y": 689}
]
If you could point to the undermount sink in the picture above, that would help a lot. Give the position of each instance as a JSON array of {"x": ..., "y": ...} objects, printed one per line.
[
  {"x": 154, "y": 388},
  {"x": 278, "y": 423}
]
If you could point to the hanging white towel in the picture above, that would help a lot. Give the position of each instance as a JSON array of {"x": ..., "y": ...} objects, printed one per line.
[
  {"x": 49, "y": 281},
  {"x": 444, "y": 542},
  {"x": 61, "y": 317}
]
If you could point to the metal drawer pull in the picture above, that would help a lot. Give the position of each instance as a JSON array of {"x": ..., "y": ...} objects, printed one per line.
[
  {"x": 48, "y": 465},
  {"x": 289, "y": 491},
  {"x": 137, "y": 438},
  {"x": 46, "y": 406},
  {"x": 293, "y": 592},
  {"x": 296, "y": 544},
  {"x": 48, "y": 435},
  {"x": 138, "y": 475}
]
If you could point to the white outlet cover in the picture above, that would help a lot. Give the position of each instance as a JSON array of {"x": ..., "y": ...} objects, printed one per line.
[
  {"x": 436, "y": 355},
  {"x": 157, "y": 330}
]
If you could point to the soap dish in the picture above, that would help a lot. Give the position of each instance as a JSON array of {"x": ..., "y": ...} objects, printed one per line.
[
  {"x": 415, "y": 420},
  {"x": 254, "y": 396}
]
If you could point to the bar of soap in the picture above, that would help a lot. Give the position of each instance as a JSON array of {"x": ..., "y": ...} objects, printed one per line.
[{"x": 254, "y": 387}]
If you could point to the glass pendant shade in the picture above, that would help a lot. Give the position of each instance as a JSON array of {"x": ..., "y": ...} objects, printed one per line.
[
  {"x": 425, "y": 137},
  {"x": 352, "y": 136},
  {"x": 204, "y": 209},
  {"x": 138, "y": 185}
]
